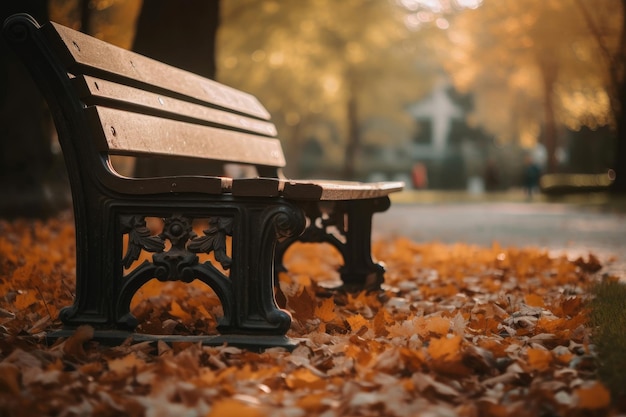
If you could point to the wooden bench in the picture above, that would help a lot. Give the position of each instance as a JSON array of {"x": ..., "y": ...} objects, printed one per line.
[{"x": 108, "y": 101}]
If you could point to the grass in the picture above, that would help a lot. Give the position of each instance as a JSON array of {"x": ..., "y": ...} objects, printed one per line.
[{"x": 608, "y": 318}]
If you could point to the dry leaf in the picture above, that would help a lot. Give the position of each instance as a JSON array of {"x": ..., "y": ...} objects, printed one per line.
[
  {"x": 325, "y": 311},
  {"x": 74, "y": 344},
  {"x": 593, "y": 396}
]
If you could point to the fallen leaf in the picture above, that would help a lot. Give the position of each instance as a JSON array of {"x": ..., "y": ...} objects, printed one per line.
[
  {"x": 539, "y": 359},
  {"x": 74, "y": 344},
  {"x": 356, "y": 322},
  {"x": 325, "y": 311},
  {"x": 593, "y": 396}
]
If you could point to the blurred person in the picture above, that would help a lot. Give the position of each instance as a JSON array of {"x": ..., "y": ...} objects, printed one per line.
[
  {"x": 491, "y": 177},
  {"x": 531, "y": 176}
]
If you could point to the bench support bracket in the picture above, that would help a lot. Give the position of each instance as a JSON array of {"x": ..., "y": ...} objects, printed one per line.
[{"x": 115, "y": 271}]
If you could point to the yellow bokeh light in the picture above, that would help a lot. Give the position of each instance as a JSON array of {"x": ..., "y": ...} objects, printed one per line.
[
  {"x": 230, "y": 62},
  {"x": 276, "y": 59},
  {"x": 331, "y": 85},
  {"x": 529, "y": 134},
  {"x": 258, "y": 55}
]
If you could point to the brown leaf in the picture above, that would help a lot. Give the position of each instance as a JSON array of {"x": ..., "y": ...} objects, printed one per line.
[
  {"x": 9, "y": 379},
  {"x": 126, "y": 364},
  {"x": 74, "y": 344},
  {"x": 303, "y": 305}
]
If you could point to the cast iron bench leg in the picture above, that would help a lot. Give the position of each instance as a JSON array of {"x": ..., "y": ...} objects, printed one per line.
[
  {"x": 347, "y": 225},
  {"x": 257, "y": 239},
  {"x": 359, "y": 271}
]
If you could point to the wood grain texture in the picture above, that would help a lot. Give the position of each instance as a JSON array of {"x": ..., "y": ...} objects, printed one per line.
[
  {"x": 88, "y": 55},
  {"x": 95, "y": 91},
  {"x": 132, "y": 134}
]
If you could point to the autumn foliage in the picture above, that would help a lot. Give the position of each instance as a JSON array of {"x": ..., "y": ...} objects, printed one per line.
[{"x": 456, "y": 330}]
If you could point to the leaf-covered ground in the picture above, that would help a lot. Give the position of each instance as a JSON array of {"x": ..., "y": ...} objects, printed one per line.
[{"x": 457, "y": 331}]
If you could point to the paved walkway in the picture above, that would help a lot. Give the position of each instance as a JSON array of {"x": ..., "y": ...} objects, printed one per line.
[{"x": 577, "y": 226}]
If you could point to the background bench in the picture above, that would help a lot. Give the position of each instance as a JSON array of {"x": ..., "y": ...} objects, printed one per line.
[{"x": 108, "y": 101}]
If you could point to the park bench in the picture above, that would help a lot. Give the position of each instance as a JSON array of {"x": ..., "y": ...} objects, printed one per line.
[{"x": 229, "y": 233}]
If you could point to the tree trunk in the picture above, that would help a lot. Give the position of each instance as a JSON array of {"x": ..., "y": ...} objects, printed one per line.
[
  {"x": 27, "y": 165},
  {"x": 549, "y": 73},
  {"x": 619, "y": 165},
  {"x": 354, "y": 140},
  {"x": 85, "y": 16},
  {"x": 550, "y": 139},
  {"x": 182, "y": 34}
]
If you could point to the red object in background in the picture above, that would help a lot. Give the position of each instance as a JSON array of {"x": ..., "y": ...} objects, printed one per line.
[{"x": 419, "y": 175}]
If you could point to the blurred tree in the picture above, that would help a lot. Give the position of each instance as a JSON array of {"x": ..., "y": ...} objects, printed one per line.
[
  {"x": 311, "y": 62},
  {"x": 26, "y": 157},
  {"x": 110, "y": 20},
  {"x": 536, "y": 65},
  {"x": 610, "y": 40},
  {"x": 180, "y": 34}
]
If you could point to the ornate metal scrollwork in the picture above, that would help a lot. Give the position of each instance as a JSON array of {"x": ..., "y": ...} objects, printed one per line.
[
  {"x": 324, "y": 219},
  {"x": 139, "y": 237},
  {"x": 214, "y": 240},
  {"x": 174, "y": 263},
  {"x": 179, "y": 262}
]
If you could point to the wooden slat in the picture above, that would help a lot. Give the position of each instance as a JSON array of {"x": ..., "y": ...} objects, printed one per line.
[
  {"x": 337, "y": 190},
  {"x": 97, "y": 58},
  {"x": 313, "y": 189},
  {"x": 132, "y": 134},
  {"x": 94, "y": 91}
]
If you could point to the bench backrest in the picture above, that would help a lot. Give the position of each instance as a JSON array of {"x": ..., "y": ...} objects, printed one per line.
[{"x": 144, "y": 107}]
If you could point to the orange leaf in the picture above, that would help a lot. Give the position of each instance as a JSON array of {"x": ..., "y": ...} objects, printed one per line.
[
  {"x": 24, "y": 273},
  {"x": 356, "y": 322},
  {"x": 444, "y": 348},
  {"x": 313, "y": 403},
  {"x": 325, "y": 311},
  {"x": 380, "y": 321},
  {"x": 437, "y": 325},
  {"x": 177, "y": 311},
  {"x": 593, "y": 397},
  {"x": 233, "y": 407},
  {"x": 407, "y": 328},
  {"x": 446, "y": 356},
  {"x": 126, "y": 364},
  {"x": 534, "y": 300},
  {"x": 539, "y": 359},
  {"x": 304, "y": 378},
  {"x": 25, "y": 299},
  {"x": 413, "y": 360}
]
